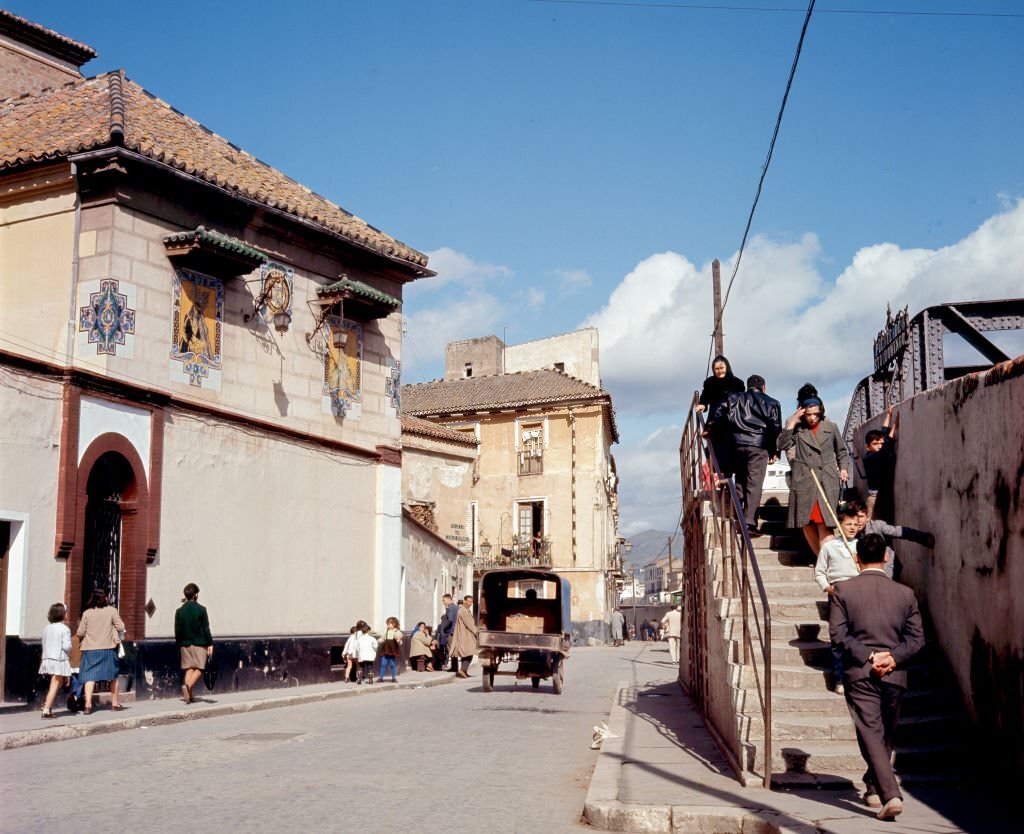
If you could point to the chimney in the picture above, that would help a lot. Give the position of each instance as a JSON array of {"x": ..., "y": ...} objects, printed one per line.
[{"x": 33, "y": 57}]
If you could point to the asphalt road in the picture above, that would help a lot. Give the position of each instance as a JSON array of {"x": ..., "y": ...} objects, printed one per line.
[{"x": 423, "y": 760}]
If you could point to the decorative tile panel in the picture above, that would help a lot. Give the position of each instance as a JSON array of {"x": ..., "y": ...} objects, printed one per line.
[
  {"x": 343, "y": 368},
  {"x": 393, "y": 385},
  {"x": 106, "y": 318},
  {"x": 197, "y": 322}
]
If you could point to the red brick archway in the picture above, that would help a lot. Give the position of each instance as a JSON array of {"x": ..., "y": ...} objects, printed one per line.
[{"x": 135, "y": 525}]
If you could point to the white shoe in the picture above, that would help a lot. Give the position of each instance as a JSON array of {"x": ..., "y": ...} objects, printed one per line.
[
  {"x": 873, "y": 800},
  {"x": 892, "y": 809}
]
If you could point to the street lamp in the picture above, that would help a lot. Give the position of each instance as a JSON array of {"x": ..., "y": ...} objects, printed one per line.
[{"x": 485, "y": 548}]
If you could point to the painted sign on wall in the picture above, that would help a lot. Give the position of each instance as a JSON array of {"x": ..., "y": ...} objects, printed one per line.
[{"x": 197, "y": 320}]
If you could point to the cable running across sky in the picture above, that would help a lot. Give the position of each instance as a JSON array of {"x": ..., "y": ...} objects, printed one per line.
[{"x": 764, "y": 174}]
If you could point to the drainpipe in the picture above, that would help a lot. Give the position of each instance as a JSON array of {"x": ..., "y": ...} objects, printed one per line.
[
  {"x": 572, "y": 476},
  {"x": 69, "y": 352}
]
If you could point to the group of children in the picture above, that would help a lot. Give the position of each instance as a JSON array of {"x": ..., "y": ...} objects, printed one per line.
[
  {"x": 362, "y": 649},
  {"x": 837, "y": 558}
]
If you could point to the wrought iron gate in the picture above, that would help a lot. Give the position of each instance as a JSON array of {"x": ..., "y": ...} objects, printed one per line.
[{"x": 102, "y": 563}]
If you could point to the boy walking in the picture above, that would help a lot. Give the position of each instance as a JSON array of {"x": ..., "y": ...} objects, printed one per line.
[{"x": 837, "y": 562}]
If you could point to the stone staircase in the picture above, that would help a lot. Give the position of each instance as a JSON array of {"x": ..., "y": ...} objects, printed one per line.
[{"x": 813, "y": 739}]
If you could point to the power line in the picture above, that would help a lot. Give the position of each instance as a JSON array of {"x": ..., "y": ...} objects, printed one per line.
[
  {"x": 708, "y": 7},
  {"x": 764, "y": 170}
]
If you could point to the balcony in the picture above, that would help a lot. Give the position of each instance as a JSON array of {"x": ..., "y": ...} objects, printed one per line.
[{"x": 526, "y": 555}]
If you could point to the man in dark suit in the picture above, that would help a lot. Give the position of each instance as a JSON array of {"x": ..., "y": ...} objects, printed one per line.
[
  {"x": 754, "y": 420},
  {"x": 877, "y": 624},
  {"x": 446, "y": 628}
]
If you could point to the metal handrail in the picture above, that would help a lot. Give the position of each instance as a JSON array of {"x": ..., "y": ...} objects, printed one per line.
[{"x": 733, "y": 538}]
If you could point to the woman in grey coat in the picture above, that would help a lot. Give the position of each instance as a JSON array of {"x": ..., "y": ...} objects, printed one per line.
[{"x": 817, "y": 447}]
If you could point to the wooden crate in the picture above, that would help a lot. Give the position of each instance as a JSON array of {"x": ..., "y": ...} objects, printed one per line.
[{"x": 522, "y": 624}]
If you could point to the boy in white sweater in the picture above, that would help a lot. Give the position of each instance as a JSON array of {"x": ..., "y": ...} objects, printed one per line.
[{"x": 837, "y": 562}]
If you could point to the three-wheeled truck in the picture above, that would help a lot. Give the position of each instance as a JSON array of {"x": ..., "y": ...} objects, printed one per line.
[{"x": 524, "y": 618}]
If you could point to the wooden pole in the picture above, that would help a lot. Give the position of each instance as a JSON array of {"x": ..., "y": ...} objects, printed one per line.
[{"x": 716, "y": 278}]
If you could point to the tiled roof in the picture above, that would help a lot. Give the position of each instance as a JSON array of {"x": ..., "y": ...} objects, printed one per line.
[
  {"x": 346, "y": 286},
  {"x": 110, "y": 110},
  {"x": 40, "y": 37},
  {"x": 483, "y": 393},
  {"x": 424, "y": 428}
]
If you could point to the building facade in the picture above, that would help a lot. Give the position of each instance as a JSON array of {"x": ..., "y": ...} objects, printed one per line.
[
  {"x": 545, "y": 490},
  {"x": 199, "y": 376}
]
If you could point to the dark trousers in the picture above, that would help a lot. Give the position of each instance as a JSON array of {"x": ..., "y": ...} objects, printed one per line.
[
  {"x": 875, "y": 708},
  {"x": 751, "y": 463},
  {"x": 465, "y": 661}
]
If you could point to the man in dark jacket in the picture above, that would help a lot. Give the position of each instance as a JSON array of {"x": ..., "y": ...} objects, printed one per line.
[
  {"x": 447, "y": 627},
  {"x": 877, "y": 624},
  {"x": 754, "y": 420}
]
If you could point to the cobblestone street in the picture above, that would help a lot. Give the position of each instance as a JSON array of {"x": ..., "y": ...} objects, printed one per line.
[{"x": 421, "y": 760}]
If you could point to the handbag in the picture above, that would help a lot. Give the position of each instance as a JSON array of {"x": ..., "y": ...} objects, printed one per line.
[{"x": 209, "y": 674}]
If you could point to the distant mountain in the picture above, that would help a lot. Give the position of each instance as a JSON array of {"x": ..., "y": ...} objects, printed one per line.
[{"x": 650, "y": 544}]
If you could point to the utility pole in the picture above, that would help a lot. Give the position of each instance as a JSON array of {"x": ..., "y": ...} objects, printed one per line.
[
  {"x": 670, "y": 569},
  {"x": 716, "y": 279}
]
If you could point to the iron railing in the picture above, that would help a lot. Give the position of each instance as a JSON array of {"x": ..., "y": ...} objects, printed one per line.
[
  {"x": 526, "y": 555},
  {"x": 712, "y": 514}
]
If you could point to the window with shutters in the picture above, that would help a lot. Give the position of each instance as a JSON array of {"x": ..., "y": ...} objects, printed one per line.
[{"x": 531, "y": 449}]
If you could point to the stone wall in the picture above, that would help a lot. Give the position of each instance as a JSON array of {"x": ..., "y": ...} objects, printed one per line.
[{"x": 959, "y": 474}]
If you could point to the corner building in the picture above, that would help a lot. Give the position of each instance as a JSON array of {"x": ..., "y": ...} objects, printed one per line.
[
  {"x": 545, "y": 489},
  {"x": 199, "y": 376}
]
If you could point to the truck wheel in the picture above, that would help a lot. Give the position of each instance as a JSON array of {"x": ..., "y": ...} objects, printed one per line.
[
  {"x": 535, "y": 683},
  {"x": 558, "y": 678},
  {"x": 487, "y": 678}
]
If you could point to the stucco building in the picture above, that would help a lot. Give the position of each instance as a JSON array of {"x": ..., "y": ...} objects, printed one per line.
[
  {"x": 199, "y": 375},
  {"x": 545, "y": 489}
]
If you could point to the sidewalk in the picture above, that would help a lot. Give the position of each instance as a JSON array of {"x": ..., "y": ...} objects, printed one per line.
[
  {"x": 663, "y": 773},
  {"x": 22, "y": 729}
]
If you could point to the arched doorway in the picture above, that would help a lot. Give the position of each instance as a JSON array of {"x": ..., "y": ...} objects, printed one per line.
[{"x": 110, "y": 489}]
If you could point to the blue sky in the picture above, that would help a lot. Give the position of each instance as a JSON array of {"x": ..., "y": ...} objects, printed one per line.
[{"x": 570, "y": 164}]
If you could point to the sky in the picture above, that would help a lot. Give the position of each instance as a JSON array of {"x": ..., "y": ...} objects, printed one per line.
[{"x": 571, "y": 164}]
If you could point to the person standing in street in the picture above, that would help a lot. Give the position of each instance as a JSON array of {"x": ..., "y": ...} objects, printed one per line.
[
  {"x": 877, "y": 624},
  {"x": 618, "y": 625},
  {"x": 754, "y": 422},
  {"x": 672, "y": 622},
  {"x": 464, "y": 639},
  {"x": 192, "y": 634},
  {"x": 56, "y": 661},
  {"x": 445, "y": 629},
  {"x": 100, "y": 630}
]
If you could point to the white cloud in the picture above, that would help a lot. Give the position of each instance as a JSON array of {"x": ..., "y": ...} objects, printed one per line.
[
  {"x": 533, "y": 297},
  {"x": 457, "y": 267},
  {"x": 573, "y": 279},
  {"x": 430, "y": 329},
  {"x": 785, "y": 321}
]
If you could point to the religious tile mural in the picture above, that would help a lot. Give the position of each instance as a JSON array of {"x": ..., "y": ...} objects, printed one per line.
[
  {"x": 277, "y": 285},
  {"x": 106, "y": 318},
  {"x": 197, "y": 322},
  {"x": 393, "y": 385},
  {"x": 343, "y": 368}
]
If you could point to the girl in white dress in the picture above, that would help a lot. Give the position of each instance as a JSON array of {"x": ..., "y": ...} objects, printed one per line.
[{"x": 56, "y": 661}]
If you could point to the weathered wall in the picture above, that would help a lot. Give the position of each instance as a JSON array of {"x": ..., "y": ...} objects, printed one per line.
[
  {"x": 27, "y": 70},
  {"x": 959, "y": 474},
  {"x": 30, "y": 416},
  {"x": 578, "y": 352},
  {"x": 442, "y": 474},
  {"x": 483, "y": 355},
  {"x": 432, "y": 567}
]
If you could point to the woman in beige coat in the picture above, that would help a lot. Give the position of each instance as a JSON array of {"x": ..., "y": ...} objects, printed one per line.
[
  {"x": 818, "y": 447},
  {"x": 100, "y": 631},
  {"x": 463, "y": 645}
]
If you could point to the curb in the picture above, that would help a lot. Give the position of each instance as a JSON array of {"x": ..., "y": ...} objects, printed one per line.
[
  {"x": 603, "y": 810},
  {"x": 45, "y": 735}
]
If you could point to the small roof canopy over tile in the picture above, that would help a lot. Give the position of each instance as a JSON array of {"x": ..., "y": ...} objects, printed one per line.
[
  {"x": 207, "y": 250},
  {"x": 110, "y": 111},
  {"x": 45, "y": 40},
  {"x": 360, "y": 300},
  {"x": 445, "y": 398}
]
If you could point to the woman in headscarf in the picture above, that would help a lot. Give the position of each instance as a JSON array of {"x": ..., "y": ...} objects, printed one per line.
[
  {"x": 818, "y": 448},
  {"x": 717, "y": 389}
]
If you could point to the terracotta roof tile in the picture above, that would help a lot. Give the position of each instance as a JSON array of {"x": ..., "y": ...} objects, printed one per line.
[
  {"x": 482, "y": 393},
  {"x": 424, "y": 428},
  {"x": 111, "y": 110}
]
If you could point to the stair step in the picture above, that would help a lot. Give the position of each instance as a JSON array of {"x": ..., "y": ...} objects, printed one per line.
[
  {"x": 843, "y": 759},
  {"x": 794, "y": 652},
  {"x": 813, "y": 702},
  {"x": 772, "y": 572},
  {"x": 796, "y": 588},
  {"x": 792, "y": 728}
]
